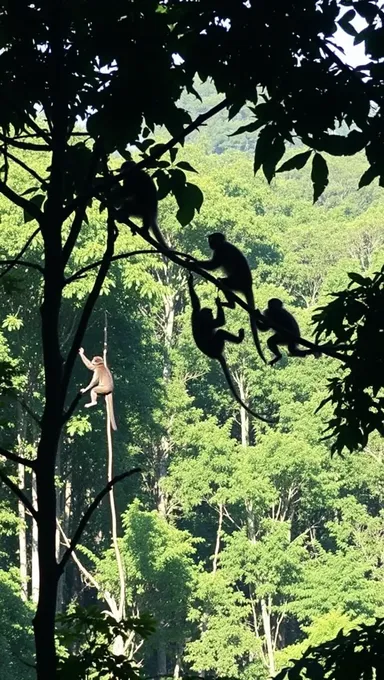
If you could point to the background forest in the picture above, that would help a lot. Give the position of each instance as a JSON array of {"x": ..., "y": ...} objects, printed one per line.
[{"x": 247, "y": 543}]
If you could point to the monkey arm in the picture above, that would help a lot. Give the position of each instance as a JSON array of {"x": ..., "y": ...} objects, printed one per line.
[
  {"x": 86, "y": 361},
  {"x": 93, "y": 382},
  {"x": 209, "y": 265},
  {"x": 220, "y": 319}
]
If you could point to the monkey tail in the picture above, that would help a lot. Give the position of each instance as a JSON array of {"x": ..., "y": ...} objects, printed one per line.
[
  {"x": 251, "y": 304},
  {"x": 157, "y": 234},
  {"x": 256, "y": 339},
  {"x": 110, "y": 411},
  {"x": 227, "y": 374}
]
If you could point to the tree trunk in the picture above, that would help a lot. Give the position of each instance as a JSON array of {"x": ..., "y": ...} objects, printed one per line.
[
  {"x": 268, "y": 636},
  {"x": 35, "y": 579},
  {"x": 22, "y": 537}
]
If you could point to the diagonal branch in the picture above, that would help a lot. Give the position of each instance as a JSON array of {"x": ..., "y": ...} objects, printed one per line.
[
  {"x": 90, "y": 303},
  {"x": 25, "y": 167},
  {"x": 16, "y": 459},
  {"x": 16, "y": 260},
  {"x": 112, "y": 181},
  {"x": 191, "y": 266},
  {"x": 25, "y": 146},
  {"x": 69, "y": 412},
  {"x": 88, "y": 514},
  {"x": 81, "y": 272},
  {"x": 19, "y": 493},
  {"x": 23, "y": 203}
]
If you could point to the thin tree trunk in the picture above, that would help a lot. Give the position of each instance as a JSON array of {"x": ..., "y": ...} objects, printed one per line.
[
  {"x": 268, "y": 636},
  {"x": 218, "y": 539},
  {"x": 22, "y": 537},
  {"x": 35, "y": 579}
]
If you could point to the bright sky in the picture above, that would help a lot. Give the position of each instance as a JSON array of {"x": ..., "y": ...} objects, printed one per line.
[{"x": 354, "y": 54}]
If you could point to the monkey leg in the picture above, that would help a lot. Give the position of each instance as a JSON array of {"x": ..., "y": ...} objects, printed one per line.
[
  {"x": 93, "y": 401},
  {"x": 230, "y": 337},
  {"x": 273, "y": 346},
  {"x": 296, "y": 352},
  {"x": 228, "y": 282}
]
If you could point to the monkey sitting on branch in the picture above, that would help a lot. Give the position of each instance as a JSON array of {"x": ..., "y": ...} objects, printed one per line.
[
  {"x": 275, "y": 314},
  {"x": 138, "y": 198},
  {"x": 101, "y": 383},
  {"x": 211, "y": 341},
  {"x": 228, "y": 257}
]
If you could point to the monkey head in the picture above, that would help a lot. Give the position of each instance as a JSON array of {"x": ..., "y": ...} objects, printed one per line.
[
  {"x": 216, "y": 240},
  {"x": 96, "y": 361},
  {"x": 274, "y": 304},
  {"x": 206, "y": 316}
]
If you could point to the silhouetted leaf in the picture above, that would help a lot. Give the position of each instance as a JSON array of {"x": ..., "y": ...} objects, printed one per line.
[
  {"x": 296, "y": 162},
  {"x": 319, "y": 175}
]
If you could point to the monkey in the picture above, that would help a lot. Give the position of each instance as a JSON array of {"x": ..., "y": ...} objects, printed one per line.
[
  {"x": 238, "y": 279},
  {"x": 276, "y": 314},
  {"x": 138, "y": 198},
  {"x": 211, "y": 341},
  {"x": 101, "y": 383}
]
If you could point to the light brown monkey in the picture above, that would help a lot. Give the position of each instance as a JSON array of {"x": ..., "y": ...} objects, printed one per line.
[{"x": 101, "y": 383}]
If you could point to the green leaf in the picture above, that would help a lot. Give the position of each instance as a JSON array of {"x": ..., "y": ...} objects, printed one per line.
[
  {"x": 319, "y": 175},
  {"x": 296, "y": 162}
]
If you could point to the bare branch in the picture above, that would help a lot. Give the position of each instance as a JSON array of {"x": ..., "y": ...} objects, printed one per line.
[
  {"x": 25, "y": 146},
  {"x": 20, "y": 495},
  {"x": 29, "y": 207},
  {"x": 20, "y": 263},
  {"x": 81, "y": 272},
  {"x": 16, "y": 260},
  {"x": 25, "y": 167},
  {"x": 88, "y": 514},
  {"x": 17, "y": 459},
  {"x": 90, "y": 303}
]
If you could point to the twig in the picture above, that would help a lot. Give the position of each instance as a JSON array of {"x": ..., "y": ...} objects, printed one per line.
[
  {"x": 88, "y": 514},
  {"x": 20, "y": 495},
  {"x": 16, "y": 261}
]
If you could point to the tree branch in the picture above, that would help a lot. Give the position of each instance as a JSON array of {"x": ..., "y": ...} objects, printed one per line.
[
  {"x": 191, "y": 266},
  {"x": 90, "y": 303},
  {"x": 80, "y": 274},
  {"x": 23, "y": 203},
  {"x": 25, "y": 167},
  {"x": 16, "y": 261},
  {"x": 20, "y": 495},
  {"x": 112, "y": 181},
  {"x": 17, "y": 459},
  {"x": 25, "y": 146},
  {"x": 20, "y": 263},
  {"x": 88, "y": 514},
  {"x": 69, "y": 412}
]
